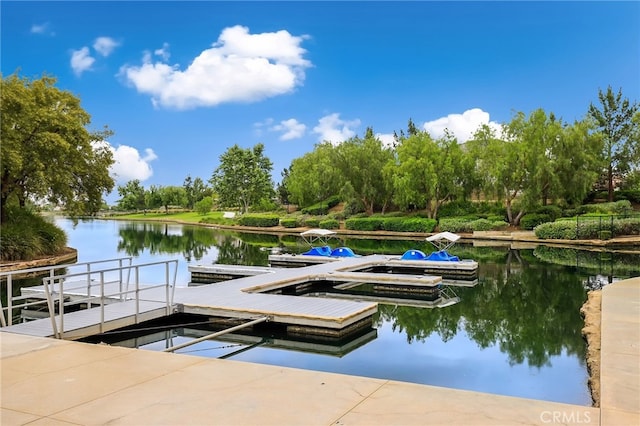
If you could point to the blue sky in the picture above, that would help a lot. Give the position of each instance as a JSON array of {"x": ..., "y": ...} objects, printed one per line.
[{"x": 180, "y": 82}]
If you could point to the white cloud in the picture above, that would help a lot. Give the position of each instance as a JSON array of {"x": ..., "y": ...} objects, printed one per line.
[
  {"x": 163, "y": 52},
  {"x": 105, "y": 45},
  {"x": 292, "y": 129},
  {"x": 462, "y": 126},
  {"x": 387, "y": 139},
  {"x": 42, "y": 29},
  {"x": 239, "y": 67},
  {"x": 335, "y": 130},
  {"x": 129, "y": 165},
  {"x": 81, "y": 60}
]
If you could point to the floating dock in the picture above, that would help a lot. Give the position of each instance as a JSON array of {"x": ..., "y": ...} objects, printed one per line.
[
  {"x": 464, "y": 269},
  {"x": 263, "y": 294}
]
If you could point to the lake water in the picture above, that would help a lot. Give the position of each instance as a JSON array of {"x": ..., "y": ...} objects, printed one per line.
[{"x": 517, "y": 332}]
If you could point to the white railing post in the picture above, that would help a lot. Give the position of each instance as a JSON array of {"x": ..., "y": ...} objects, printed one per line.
[
  {"x": 101, "y": 301},
  {"x": 137, "y": 293},
  {"x": 51, "y": 306},
  {"x": 120, "y": 279},
  {"x": 3, "y": 323},
  {"x": 61, "y": 307},
  {"x": 175, "y": 277},
  {"x": 166, "y": 287},
  {"x": 10, "y": 299}
]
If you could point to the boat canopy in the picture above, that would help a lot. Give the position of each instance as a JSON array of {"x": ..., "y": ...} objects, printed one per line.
[
  {"x": 317, "y": 235},
  {"x": 443, "y": 240}
]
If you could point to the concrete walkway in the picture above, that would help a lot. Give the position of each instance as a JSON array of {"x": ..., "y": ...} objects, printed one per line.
[
  {"x": 620, "y": 353},
  {"x": 53, "y": 382}
]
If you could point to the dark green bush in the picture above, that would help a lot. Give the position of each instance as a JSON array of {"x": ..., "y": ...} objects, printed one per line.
[
  {"x": 632, "y": 195},
  {"x": 457, "y": 208},
  {"x": 629, "y": 226},
  {"x": 312, "y": 222},
  {"x": 531, "y": 220},
  {"x": 464, "y": 225},
  {"x": 408, "y": 224},
  {"x": 263, "y": 221},
  {"x": 373, "y": 223},
  {"x": 456, "y": 225},
  {"x": 329, "y": 224},
  {"x": 561, "y": 230},
  {"x": 605, "y": 235},
  {"x": 28, "y": 235},
  {"x": 622, "y": 207},
  {"x": 289, "y": 222},
  {"x": 552, "y": 211},
  {"x": 487, "y": 225},
  {"x": 587, "y": 228}
]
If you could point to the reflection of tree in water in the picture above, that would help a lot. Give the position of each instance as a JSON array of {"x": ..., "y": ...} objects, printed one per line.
[
  {"x": 192, "y": 242},
  {"x": 531, "y": 313},
  {"x": 235, "y": 251}
]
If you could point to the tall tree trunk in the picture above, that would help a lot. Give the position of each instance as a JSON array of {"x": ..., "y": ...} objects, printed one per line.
[
  {"x": 3, "y": 208},
  {"x": 509, "y": 213},
  {"x": 610, "y": 179}
]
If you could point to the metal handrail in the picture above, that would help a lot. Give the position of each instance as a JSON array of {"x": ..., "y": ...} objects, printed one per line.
[
  {"x": 50, "y": 284},
  {"x": 51, "y": 269}
]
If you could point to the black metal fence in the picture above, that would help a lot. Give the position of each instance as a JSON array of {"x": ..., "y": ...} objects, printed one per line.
[{"x": 604, "y": 227}]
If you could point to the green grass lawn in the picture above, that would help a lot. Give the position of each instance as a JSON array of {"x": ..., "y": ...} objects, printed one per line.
[{"x": 190, "y": 217}]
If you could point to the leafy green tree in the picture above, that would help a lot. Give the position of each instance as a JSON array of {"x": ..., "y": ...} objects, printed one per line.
[
  {"x": 132, "y": 196},
  {"x": 428, "y": 172},
  {"x": 313, "y": 177},
  {"x": 243, "y": 177},
  {"x": 195, "y": 190},
  {"x": 188, "y": 189},
  {"x": 152, "y": 197},
  {"x": 204, "y": 206},
  {"x": 281, "y": 188},
  {"x": 172, "y": 196},
  {"x": 615, "y": 119},
  {"x": 361, "y": 163},
  {"x": 200, "y": 189},
  {"x": 577, "y": 157},
  {"x": 47, "y": 152}
]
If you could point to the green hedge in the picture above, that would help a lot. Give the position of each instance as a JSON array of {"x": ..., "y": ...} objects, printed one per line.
[
  {"x": 312, "y": 222},
  {"x": 263, "y": 221},
  {"x": 459, "y": 208},
  {"x": 392, "y": 224},
  {"x": 622, "y": 207},
  {"x": 531, "y": 220},
  {"x": 632, "y": 195},
  {"x": 587, "y": 229},
  {"x": 364, "y": 223},
  {"x": 329, "y": 224},
  {"x": 466, "y": 225},
  {"x": 289, "y": 222}
]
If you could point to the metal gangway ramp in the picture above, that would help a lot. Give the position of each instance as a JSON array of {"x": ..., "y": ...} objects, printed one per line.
[{"x": 108, "y": 298}]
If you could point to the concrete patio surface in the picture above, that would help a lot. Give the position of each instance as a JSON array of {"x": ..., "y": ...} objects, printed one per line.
[{"x": 54, "y": 382}]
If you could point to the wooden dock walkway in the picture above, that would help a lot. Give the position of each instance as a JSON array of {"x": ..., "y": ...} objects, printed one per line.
[
  {"x": 88, "y": 322},
  {"x": 242, "y": 298}
]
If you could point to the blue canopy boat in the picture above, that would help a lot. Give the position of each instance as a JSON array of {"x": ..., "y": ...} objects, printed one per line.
[
  {"x": 318, "y": 240},
  {"x": 442, "y": 242}
]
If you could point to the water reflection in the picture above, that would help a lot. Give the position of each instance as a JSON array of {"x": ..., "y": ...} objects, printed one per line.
[{"x": 517, "y": 332}]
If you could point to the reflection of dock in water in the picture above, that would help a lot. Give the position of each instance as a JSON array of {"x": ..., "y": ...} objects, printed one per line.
[{"x": 250, "y": 337}]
